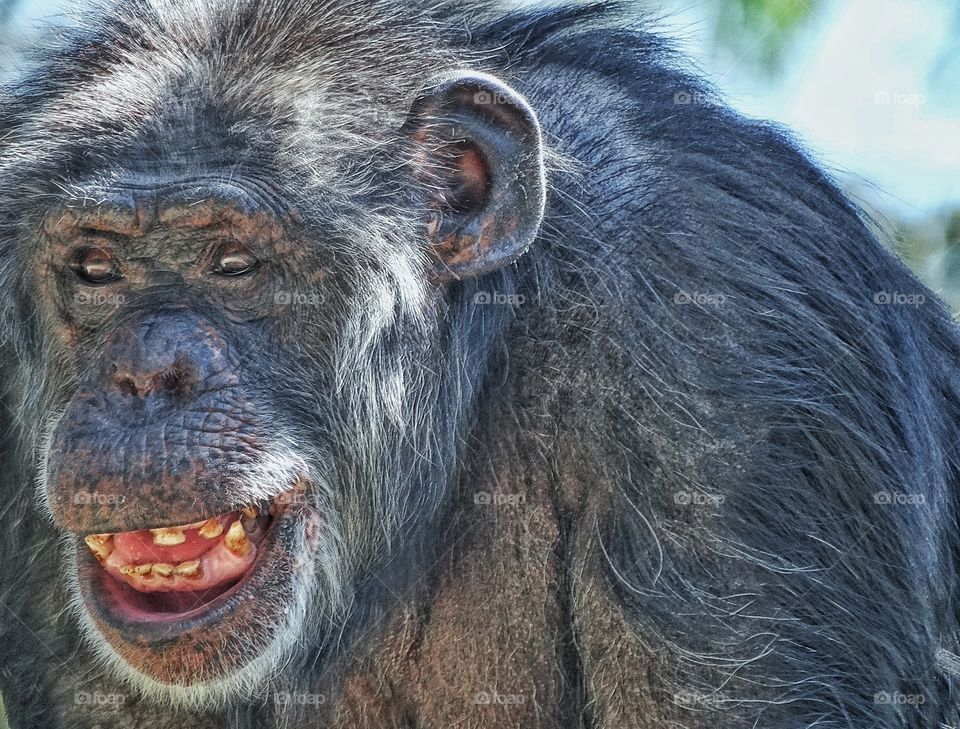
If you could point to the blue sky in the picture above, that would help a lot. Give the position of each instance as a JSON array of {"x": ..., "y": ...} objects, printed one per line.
[{"x": 860, "y": 90}]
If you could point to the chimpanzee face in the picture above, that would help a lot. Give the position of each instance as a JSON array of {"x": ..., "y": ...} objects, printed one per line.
[
  {"x": 193, "y": 456},
  {"x": 234, "y": 369}
]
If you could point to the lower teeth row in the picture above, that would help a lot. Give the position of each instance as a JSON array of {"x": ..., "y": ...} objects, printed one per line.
[{"x": 184, "y": 569}]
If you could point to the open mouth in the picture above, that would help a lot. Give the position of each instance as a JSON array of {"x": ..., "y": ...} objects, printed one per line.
[
  {"x": 177, "y": 572},
  {"x": 187, "y": 604}
]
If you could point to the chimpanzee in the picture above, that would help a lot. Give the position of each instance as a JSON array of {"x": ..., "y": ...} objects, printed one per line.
[{"x": 423, "y": 364}]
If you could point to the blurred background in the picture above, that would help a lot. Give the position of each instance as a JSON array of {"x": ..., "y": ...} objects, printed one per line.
[{"x": 872, "y": 87}]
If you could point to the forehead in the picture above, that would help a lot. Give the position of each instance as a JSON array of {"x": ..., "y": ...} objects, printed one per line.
[{"x": 209, "y": 208}]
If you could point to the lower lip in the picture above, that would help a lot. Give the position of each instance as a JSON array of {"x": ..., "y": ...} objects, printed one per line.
[{"x": 138, "y": 607}]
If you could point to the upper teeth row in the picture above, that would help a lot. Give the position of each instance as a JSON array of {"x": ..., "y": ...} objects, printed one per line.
[
  {"x": 209, "y": 529},
  {"x": 236, "y": 540}
]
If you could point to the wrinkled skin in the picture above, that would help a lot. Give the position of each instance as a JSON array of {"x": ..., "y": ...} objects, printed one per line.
[{"x": 518, "y": 397}]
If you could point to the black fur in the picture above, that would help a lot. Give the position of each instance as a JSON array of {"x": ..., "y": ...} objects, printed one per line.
[{"x": 799, "y": 400}]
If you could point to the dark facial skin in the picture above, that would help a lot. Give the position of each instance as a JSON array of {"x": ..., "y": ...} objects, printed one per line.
[
  {"x": 162, "y": 364},
  {"x": 169, "y": 413}
]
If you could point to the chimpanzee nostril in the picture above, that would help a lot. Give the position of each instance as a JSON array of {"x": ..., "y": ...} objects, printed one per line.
[
  {"x": 180, "y": 379},
  {"x": 176, "y": 379},
  {"x": 133, "y": 385}
]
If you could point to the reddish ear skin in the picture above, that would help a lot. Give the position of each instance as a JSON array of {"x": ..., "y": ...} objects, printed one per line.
[
  {"x": 468, "y": 179},
  {"x": 483, "y": 164}
]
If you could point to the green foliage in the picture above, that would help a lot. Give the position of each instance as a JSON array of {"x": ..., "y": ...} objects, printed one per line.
[
  {"x": 953, "y": 230},
  {"x": 931, "y": 247},
  {"x": 761, "y": 32}
]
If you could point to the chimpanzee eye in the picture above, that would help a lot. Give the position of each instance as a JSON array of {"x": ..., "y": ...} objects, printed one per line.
[
  {"x": 235, "y": 260},
  {"x": 97, "y": 266}
]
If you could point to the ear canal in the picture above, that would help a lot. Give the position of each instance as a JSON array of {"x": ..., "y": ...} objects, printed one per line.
[{"x": 481, "y": 160}]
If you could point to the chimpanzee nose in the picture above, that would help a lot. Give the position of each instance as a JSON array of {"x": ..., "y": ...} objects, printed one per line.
[
  {"x": 161, "y": 417},
  {"x": 177, "y": 377},
  {"x": 164, "y": 357}
]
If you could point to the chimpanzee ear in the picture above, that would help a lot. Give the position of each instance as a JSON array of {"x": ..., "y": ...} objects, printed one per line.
[{"x": 481, "y": 158}]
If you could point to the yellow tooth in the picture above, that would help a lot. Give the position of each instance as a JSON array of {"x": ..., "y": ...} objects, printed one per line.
[
  {"x": 236, "y": 540},
  {"x": 250, "y": 512},
  {"x": 188, "y": 569},
  {"x": 101, "y": 545},
  {"x": 136, "y": 570},
  {"x": 163, "y": 569},
  {"x": 211, "y": 529},
  {"x": 168, "y": 537}
]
